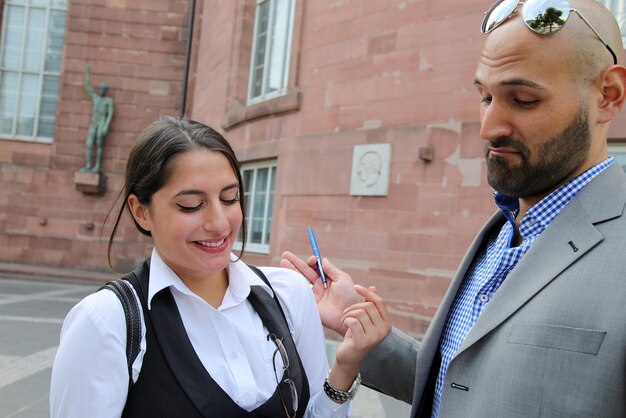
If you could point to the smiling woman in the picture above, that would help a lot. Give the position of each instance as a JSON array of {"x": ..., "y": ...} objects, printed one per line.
[
  {"x": 194, "y": 219},
  {"x": 203, "y": 309}
]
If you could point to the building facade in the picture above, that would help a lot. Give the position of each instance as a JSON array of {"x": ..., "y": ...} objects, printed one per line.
[{"x": 357, "y": 118}]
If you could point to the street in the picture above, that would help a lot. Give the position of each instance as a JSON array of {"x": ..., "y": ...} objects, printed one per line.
[{"x": 31, "y": 315}]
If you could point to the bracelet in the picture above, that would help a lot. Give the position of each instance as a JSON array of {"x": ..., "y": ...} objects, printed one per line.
[{"x": 341, "y": 396}]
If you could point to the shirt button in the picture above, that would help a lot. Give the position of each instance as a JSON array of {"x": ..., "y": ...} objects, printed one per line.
[
  {"x": 484, "y": 298},
  {"x": 233, "y": 355}
]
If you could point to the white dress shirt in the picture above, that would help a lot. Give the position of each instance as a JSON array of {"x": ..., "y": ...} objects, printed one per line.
[{"x": 90, "y": 375}]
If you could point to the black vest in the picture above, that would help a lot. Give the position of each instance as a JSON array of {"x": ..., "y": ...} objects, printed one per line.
[{"x": 174, "y": 383}]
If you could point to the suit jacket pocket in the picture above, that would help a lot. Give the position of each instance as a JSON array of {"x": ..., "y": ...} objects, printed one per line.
[{"x": 558, "y": 337}]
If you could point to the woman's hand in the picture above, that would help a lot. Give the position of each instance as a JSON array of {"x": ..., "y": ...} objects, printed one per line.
[{"x": 368, "y": 324}]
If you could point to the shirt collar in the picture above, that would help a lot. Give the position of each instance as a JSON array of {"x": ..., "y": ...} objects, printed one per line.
[
  {"x": 240, "y": 279},
  {"x": 550, "y": 206}
]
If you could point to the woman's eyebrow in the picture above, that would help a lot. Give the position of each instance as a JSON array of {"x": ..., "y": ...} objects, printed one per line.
[
  {"x": 187, "y": 192},
  {"x": 231, "y": 186}
]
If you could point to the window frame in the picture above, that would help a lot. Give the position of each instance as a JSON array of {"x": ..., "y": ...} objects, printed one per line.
[
  {"x": 271, "y": 34},
  {"x": 40, "y": 73},
  {"x": 270, "y": 194},
  {"x": 238, "y": 110}
]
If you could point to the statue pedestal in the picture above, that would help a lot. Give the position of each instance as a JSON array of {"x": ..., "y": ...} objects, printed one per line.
[{"x": 89, "y": 183}]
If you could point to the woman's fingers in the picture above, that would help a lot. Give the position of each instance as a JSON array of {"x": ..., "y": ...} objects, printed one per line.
[
  {"x": 368, "y": 320},
  {"x": 370, "y": 295}
]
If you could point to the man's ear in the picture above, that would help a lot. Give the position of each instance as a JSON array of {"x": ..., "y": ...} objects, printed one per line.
[
  {"x": 613, "y": 91},
  {"x": 139, "y": 212}
]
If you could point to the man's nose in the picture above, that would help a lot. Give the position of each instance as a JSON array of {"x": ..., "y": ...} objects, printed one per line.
[{"x": 494, "y": 122}]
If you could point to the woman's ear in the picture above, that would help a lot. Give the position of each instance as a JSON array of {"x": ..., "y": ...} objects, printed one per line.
[
  {"x": 140, "y": 212},
  {"x": 613, "y": 90}
]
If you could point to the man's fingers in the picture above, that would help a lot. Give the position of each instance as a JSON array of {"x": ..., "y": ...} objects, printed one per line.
[
  {"x": 284, "y": 263},
  {"x": 293, "y": 262},
  {"x": 329, "y": 268}
]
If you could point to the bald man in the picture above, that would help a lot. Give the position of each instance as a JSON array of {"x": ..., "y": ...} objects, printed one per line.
[{"x": 534, "y": 322}]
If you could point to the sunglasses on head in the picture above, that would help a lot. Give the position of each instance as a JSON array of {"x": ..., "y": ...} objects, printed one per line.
[{"x": 541, "y": 16}]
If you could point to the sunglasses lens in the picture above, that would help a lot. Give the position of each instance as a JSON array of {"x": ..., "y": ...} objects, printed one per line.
[
  {"x": 498, "y": 13},
  {"x": 294, "y": 394},
  {"x": 546, "y": 16},
  {"x": 283, "y": 353}
]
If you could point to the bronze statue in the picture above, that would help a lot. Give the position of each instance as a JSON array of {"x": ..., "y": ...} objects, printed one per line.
[{"x": 102, "y": 113}]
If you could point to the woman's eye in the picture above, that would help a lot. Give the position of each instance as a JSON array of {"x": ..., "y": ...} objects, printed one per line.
[
  {"x": 189, "y": 208},
  {"x": 231, "y": 201},
  {"x": 486, "y": 100}
]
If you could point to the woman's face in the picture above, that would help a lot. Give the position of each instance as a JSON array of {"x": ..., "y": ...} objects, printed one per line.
[{"x": 195, "y": 217}]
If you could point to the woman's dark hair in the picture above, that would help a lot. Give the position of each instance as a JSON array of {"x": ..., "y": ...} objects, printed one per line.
[{"x": 149, "y": 162}]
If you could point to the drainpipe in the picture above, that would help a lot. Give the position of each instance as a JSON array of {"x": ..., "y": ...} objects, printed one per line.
[{"x": 183, "y": 100}]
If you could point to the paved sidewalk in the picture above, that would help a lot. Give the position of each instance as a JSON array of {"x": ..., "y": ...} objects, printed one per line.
[{"x": 31, "y": 315}]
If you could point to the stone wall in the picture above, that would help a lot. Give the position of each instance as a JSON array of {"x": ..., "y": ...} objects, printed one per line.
[{"x": 138, "y": 49}]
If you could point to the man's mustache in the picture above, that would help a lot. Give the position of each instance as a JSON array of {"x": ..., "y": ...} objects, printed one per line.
[{"x": 507, "y": 142}]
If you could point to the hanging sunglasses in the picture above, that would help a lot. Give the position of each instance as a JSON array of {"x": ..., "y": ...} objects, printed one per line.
[
  {"x": 541, "y": 16},
  {"x": 280, "y": 349}
]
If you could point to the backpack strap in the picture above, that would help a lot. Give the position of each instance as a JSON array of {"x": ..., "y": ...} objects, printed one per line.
[{"x": 123, "y": 290}]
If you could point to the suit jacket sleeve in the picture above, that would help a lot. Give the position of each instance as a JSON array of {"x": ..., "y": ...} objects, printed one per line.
[{"x": 390, "y": 367}]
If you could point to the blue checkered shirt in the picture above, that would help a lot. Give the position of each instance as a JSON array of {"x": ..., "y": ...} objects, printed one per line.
[{"x": 496, "y": 260}]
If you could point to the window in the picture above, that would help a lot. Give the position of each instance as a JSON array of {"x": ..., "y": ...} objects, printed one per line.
[
  {"x": 618, "y": 150},
  {"x": 258, "y": 185},
  {"x": 30, "y": 61},
  {"x": 618, "y": 7},
  {"x": 269, "y": 69}
]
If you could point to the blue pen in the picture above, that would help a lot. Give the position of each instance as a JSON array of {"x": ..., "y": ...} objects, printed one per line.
[{"x": 316, "y": 253}]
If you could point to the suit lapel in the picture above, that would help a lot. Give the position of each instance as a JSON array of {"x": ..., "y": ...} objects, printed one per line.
[
  {"x": 430, "y": 343},
  {"x": 569, "y": 237},
  {"x": 545, "y": 260}
]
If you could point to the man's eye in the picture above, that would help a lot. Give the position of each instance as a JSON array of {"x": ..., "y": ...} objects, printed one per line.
[
  {"x": 189, "y": 208},
  {"x": 526, "y": 103},
  {"x": 485, "y": 99}
]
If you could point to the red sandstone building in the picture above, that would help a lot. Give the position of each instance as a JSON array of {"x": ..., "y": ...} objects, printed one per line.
[{"x": 358, "y": 118}]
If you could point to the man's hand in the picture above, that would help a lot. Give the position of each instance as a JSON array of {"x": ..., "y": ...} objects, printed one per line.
[{"x": 331, "y": 301}]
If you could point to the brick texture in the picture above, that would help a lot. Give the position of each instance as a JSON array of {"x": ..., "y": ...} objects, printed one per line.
[
  {"x": 136, "y": 47},
  {"x": 364, "y": 72},
  {"x": 369, "y": 72}
]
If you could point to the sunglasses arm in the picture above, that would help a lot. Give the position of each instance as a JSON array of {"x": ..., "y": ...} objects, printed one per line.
[{"x": 597, "y": 34}]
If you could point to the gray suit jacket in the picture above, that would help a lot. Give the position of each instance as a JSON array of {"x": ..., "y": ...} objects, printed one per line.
[{"x": 552, "y": 340}]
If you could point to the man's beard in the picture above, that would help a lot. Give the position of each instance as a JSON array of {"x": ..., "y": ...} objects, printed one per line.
[{"x": 557, "y": 158}]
